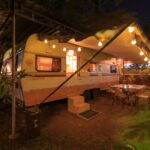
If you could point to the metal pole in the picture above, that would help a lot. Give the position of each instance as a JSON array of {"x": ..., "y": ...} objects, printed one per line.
[{"x": 13, "y": 131}]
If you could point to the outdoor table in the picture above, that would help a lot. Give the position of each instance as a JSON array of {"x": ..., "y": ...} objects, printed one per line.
[
  {"x": 130, "y": 89},
  {"x": 129, "y": 86}
]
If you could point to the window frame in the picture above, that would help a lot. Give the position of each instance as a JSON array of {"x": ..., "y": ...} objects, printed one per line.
[{"x": 36, "y": 67}]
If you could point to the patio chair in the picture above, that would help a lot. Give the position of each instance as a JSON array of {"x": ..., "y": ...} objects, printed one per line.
[
  {"x": 120, "y": 96},
  {"x": 144, "y": 94},
  {"x": 131, "y": 94}
]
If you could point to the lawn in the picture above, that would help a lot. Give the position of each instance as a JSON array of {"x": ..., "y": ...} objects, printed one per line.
[{"x": 114, "y": 127}]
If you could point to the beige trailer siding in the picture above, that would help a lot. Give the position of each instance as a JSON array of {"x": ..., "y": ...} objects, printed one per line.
[{"x": 39, "y": 84}]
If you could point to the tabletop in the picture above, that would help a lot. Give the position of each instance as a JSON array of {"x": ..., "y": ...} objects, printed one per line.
[{"x": 130, "y": 86}]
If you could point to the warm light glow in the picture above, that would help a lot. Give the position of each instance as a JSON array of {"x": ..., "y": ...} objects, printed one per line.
[
  {"x": 46, "y": 41},
  {"x": 119, "y": 59},
  {"x": 141, "y": 53},
  {"x": 133, "y": 42},
  {"x": 71, "y": 62},
  {"x": 53, "y": 46},
  {"x": 145, "y": 59},
  {"x": 100, "y": 43},
  {"x": 79, "y": 49},
  {"x": 64, "y": 49},
  {"x": 131, "y": 29},
  {"x": 149, "y": 61},
  {"x": 70, "y": 52}
]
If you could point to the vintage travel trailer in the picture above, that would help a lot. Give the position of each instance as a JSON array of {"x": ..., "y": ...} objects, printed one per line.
[{"x": 49, "y": 63}]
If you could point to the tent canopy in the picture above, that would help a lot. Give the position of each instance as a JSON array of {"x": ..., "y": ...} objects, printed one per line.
[{"x": 121, "y": 47}]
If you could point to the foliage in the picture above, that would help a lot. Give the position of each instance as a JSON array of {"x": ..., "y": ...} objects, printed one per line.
[
  {"x": 138, "y": 131},
  {"x": 85, "y": 15},
  {"x": 5, "y": 82},
  {"x": 4, "y": 85}
]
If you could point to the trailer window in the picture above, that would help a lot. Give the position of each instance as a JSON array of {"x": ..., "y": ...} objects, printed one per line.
[
  {"x": 51, "y": 64},
  {"x": 92, "y": 67},
  {"x": 71, "y": 62}
]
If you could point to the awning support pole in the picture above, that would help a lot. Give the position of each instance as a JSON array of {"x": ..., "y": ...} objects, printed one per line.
[{"x": 99, "y": 51}]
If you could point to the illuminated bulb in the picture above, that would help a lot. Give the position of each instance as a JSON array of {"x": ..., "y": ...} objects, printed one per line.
[
  {"x": 133, "y": 42},
  {"x": 45, "y": 41},
  {"x": 149, "y": 61},
  {"x": 145, "y": 59},
  {"x": 79, "y": 49},
  {"x": 53, "y": 46},
  {"x": 141, "y": 53},
  {"x": 64, "y": 49},
  {"x": 100, "y": 43},
  {"x": 119, "y": 60},
  {"x": 131, "y": 29}
]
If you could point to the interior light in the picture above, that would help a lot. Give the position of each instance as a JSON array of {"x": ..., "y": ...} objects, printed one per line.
[
  {"x": 70, "y": 53},
  {"x": 141, "y": 53},
  {"x": 79, "y": 49},
  {"x": 145, "y": 59},
  {"x": 131, "y": 29},
  {"x": 64, "y": 49},
  {"x": 45, "y": 41},
  {"x": 133, "y": 42},
  {"x": 149, "y": 61},
  {"x": 53, "y": 46},
  {"x": 100, "y": 43}
]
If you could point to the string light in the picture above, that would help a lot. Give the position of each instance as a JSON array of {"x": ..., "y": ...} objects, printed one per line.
[
  {"x": 145, "y": 59},
  {"x": 141, "y": 53},
  {"x": 100, "y": 43},
  {"x": 133, "y": 42},
  {"x": 79, "y": 49},
  {"x": 131, "y": 29},
  {"x": 53, "y": 46},
  {"x": 45, "y": 41},
  {"x": 64, "y": 49}
]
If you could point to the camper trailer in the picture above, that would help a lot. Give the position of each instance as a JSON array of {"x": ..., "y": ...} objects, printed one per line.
[{"x": 48, "y": 63}]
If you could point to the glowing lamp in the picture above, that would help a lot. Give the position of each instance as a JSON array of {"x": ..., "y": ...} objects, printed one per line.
[
  {"x": 46, "y": 41},
  {"x": 100, "y": 43},
  {"x": 79, "y": 49},
  {"x": 133, "y": 42},
  {"x": 141, "y": 53},
  {"x": 64, "y": 49},
  {"x": 53, "y": 46},
  {"x": 145, "y": 59},
  {"x": 131, "y": 29},
  {"x": 149, "y": 61}
]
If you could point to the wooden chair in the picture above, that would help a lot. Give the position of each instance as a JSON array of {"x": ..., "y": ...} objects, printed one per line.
[
  {"x": 144, "y": 94},
  {"x": 120, "y": 96}
]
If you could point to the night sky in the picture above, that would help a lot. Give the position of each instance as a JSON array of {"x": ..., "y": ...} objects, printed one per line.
[{"x": 142, "y": 7}]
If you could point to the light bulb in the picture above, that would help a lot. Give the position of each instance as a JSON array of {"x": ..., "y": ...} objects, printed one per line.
[
  {"x": 53, "y": 46},
  {"x": 79, "y": 49},
  {"x": 64, "y": 49},
  {"x": 46, "y": 41},
  {"x": 131, "y": 29},
  {"x": 133, "y": 42},
  {"x": 141, "y": 53},
  {"x": 145, "y": 59},
  {"x": 100, "y": 43}
]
